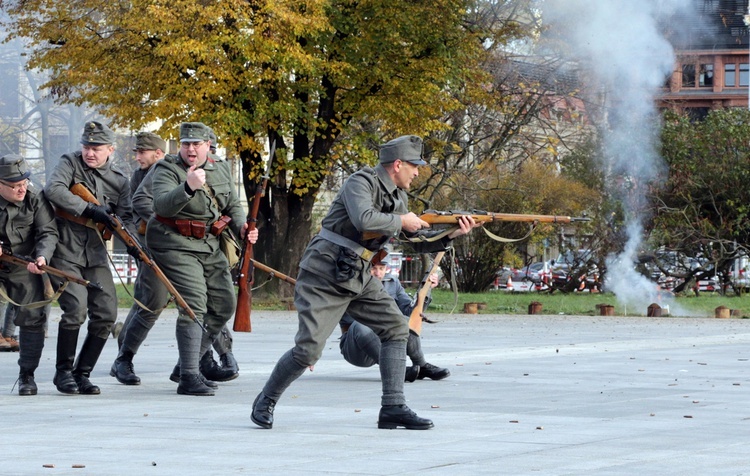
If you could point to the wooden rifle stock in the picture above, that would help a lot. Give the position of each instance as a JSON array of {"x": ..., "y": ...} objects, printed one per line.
[
  {"x": 135, "y": 249},
  {"x": 451, "y": 217},
  {"x": 23, "y": 261},
  {"x": 245, "y": 276},
  {"x": 415, "y": 319},
  {"x": 273, "y": 273}
]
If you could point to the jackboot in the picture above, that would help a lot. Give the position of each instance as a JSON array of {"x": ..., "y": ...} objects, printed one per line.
[
  {"x": 90, "y": 352},
  {"x": 67, "y": 340},
  {"x": 212, "y": 371},
  {"x": 32, "y": 344}
]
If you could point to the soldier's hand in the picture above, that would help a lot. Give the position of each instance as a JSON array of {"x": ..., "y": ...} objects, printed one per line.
[
  {"x": 195, "y": 178},
  {"x": 466, "y": 223},
  {"x": 35, "y": 266},
  {"x": 411, "y": 223},
  {"x": 434, "y": 280},
  {"x": 99, "y": 214},
  {"x": 251, "y": 235}
]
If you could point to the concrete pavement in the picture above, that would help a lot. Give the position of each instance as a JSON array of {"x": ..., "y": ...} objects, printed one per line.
[{"x": 541, "y": 395}]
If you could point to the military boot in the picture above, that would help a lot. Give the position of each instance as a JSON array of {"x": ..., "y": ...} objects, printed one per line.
[
  {"x": 122, "y": 369},
  {"x": 411, "y": 373},
  {"x": 228, "y": 362},
  {"x": 30, "y": 353},
  {"x": 394, "y": 416},
  {"x": 212, "y": 371},
  {"x": 262, "y": 414},
  {"x": 175, "y": 377},
  {"x": 67, "y": 339},
  {"x": 90, "y": 352},
  {"x": 433, "y": 372}
]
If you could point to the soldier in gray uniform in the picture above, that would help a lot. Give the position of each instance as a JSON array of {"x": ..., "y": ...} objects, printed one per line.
[
  {"x": 27, "y": 228},
  {"x": 148, "y": 289},
  {"x": 82, "y": 252},
  {"x": 360, "y": 346},
  {"x": 193, "y": 195},
  {"x": 335, "y": 278}
]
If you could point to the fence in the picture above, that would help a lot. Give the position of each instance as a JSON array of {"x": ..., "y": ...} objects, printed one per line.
[{"x": 123, "y": 265}]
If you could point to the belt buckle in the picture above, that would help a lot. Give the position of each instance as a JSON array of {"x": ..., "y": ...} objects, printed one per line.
[{"x": 367, "y": 254}]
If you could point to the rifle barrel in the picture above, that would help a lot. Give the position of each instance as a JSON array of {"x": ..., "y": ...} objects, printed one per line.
[{"x": 451, "y": 218}]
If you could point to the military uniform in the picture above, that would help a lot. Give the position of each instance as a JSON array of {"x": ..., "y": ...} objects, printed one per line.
[
  {"x": 360, "y": 346},
  {"x": 335, "y": 278},
  {"x": 27, "y": 228},
  {"x": 179, "y": 236},
  {"x": 82, "y": 252}
]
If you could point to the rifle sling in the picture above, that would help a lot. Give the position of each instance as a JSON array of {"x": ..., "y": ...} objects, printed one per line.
[
  {"x": 34, "y": 305},
  {"x": 448, "y": 231}
]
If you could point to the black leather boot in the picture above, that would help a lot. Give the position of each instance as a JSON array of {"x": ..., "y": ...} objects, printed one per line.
[
  {"x": 262, "y": 414},
  {"x": 175, "y": 377},
  {"x": 228, "y": 362},
  {"x": 122, "y": 369},
  {"x": 191, "y": 384},
  {"x": 67, "y": 340},
  {"x": 393, "y": 416},
  {"x": 212, "y": 371},
  {"x": 433, "y": 372},
  {"x": 30, "y": 353},
  {"x": 26, "y": 383},
  {"x": 411, "y": 373},
  {"x": 90, "y": 352}
]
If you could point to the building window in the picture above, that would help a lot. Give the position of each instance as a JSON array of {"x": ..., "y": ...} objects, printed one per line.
[
  {"x": 688, "y": 75},
  {"x": 706, "y": 78},
  {"x": 729, "y": 72},
  {"x": 744, "y": 74}
]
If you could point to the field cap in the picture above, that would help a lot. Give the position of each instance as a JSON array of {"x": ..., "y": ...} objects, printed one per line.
[
  {"x": 96, "y": 133},
  {"x": 149, "y": 141},
  {"x": 405, "y": 148},
  {"x": 194, "y": 132},
  {"x": 13, "y": 168}
]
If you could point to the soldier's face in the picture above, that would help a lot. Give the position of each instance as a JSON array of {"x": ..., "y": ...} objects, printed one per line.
[
  {"x": 14, "y": 191},
  {"x": 146, "y": 158},
  {"x": 405, "y": 172},
  {"x": 379, "y": 271},
  {"x": 96, "y": 155},
  {"x": 194, "y": 153}
]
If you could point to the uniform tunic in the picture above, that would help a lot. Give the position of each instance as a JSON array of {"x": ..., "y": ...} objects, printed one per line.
[
  {"x": 81, "y": 250},
  {"x": 28, "y": 229},
  {"x": 369, "y": 201},
  {"x": 196, "y": 266}
]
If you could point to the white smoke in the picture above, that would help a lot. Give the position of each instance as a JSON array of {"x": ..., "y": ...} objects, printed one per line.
[{"x": 620, "y": 43}]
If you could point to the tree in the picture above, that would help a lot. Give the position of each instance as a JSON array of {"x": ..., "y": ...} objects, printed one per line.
[
  {"x": 299, "y": 73},
  {"x": 703, "y": 211}
]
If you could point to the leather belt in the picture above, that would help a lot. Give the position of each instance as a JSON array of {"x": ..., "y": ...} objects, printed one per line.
[{"x": 188, "y": 228}]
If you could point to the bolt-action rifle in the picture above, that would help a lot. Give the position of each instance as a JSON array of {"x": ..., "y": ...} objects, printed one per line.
[
  {"x": 415, "y": 319},
  {"x": 19, "y": 260},
  {"x": 134, "y": 249},
  {"x": 245, "y": 276}
]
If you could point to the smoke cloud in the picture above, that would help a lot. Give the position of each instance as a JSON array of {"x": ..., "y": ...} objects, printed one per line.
[{"x": 619, "y": 43}]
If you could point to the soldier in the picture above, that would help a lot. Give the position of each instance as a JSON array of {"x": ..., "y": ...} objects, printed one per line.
[
  {"x": 27, "y": 227},
  {"x": 193, "y": 196},
  {"x": 148, "y": 289},
  {"x": 83, "y": 252},
  {"x": 335, "y": 278},
  {"x": 360, "y": 346}
]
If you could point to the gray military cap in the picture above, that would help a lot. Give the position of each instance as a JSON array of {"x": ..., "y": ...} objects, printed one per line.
[
  {"x": 13, "y": 168},
  {"x": 212, "y": 137},
  {"x": 194, "y": 132},
  {"x": 96, "y": 133},
  {"x": 149, "y": 141},
  {"x": 405, "y": 148}
]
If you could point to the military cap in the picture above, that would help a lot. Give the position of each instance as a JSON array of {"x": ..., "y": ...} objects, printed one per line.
[
  {"x": 13, "y": 168},
  {"x": 96, "y": 133},
  {"x": 194, "y": 132},
  {"x": 405, "y": 148},
  {"x": 212, "y": 137},
  {"x": 149, "y": 141}
]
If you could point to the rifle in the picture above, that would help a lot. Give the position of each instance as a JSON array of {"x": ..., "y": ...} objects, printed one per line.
[
  {"x": 415, "y": 319},
  {"x": 23, "y": 261},
  {"x": 245, "y": 276},
  {"x": 134, "y": 249},
  {"x": 273, "y": 273},
  {"x": 434, "y": 217}
]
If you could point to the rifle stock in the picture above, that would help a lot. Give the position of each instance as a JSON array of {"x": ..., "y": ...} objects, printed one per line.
[
  {"x": 245, "y": 278},
  {"x": 137, "y": 251},
  {"x": 415, "y": 319},
  {"x": 23, "y": 261},
  {"x": 273, "y": 272}
]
